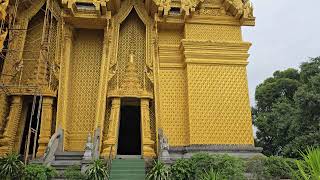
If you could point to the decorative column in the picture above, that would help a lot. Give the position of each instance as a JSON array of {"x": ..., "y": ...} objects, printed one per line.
[
  {"x": 112, "y": 136},
  {"x": 147, "y": 142},
  {"x": 46, "y": 123},
  {"x": 3, "y": 110},
  {"x": 64, "y": 82},
  {"x": 7, "y": 141}
]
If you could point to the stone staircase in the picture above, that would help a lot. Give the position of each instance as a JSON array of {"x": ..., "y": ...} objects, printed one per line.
[
  {"x": 128, "y": 169},
  {"x": 65, "y": 160}
]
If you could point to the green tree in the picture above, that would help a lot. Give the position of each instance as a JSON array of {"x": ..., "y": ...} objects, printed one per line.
[{"x": 287, "y": 112}]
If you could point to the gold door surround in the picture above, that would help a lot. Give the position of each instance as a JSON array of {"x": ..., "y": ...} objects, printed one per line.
[{"x": 131, "y": 75}]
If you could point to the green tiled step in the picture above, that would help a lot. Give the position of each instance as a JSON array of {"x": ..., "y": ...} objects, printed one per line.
[
  {"x": 127, "y": 177},
  {"x": 128, "y": 169}
]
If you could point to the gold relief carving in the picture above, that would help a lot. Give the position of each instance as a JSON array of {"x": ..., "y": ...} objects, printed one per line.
[
  {"x": 169, "y": 36},
  {"x": 132, "y": 39},
  {"x": 84, "y": 85},
  {"x": 164, "y": 7},
  {"x": 131, "y": 82},
  {"x": 46, "y": 123},
  {"x": 7, "y": 141},
  {"x": 239, "y": 8},
  {"x": 212, "y": 11},
  {"x": 189, "y": 6},
  {"x": 148, "y": 143},
  {"x": 173, "y": 106},
  {"x": 248, "y": 10},
  {"x": 112, "y": 137},
  {"x": 219, "y": 109},
  {"x": 213, "y": 32},
  {"x": 101, "y": 5}
]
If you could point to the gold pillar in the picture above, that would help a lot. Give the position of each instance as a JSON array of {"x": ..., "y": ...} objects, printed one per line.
[
  {"x": 11, "y": 129},
  {"x": 113, "y": 129},
  {"x": 147, "y": 142},
  {"x": 46, "y": 123},
  {"x": 62, "y": 112},
  {"x": 3, "y": 110}
]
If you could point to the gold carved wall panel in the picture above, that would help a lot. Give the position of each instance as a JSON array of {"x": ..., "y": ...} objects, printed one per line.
[
  {"x": 132, "y": 39},
  {"x": 32, "y": 46},
  {"x": 84, "y": 83},
  {"x": 219, "y": 109},
  {"x": 213, "y": 32},
  {"x": 169, "y": 45},
  {"x": 173, "y": 106}
]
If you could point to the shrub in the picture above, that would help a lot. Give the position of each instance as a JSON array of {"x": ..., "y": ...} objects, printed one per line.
[
  {"x": 181, "y": 170},
  {"x": 98, "y": 170},
  {"x": 74, "y": 173},
  {"x": 273, "y": 167},
  {"x": 228, "y": 167},
  {"x": 211, "y": 175},
  {"x": 310, "y": 169},
  {"x": 39, "y": 172},
  {"x": 159, "y": 171},
  {"x": 11, "y": 167}
]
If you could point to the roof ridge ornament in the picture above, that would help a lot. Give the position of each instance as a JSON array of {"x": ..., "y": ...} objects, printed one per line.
[
  {"x": 164, "y": 7},
  {"x": 189, "y": 6}
]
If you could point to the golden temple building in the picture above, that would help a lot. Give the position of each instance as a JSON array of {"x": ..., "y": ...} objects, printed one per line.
[{"x": 121, "y": 71}]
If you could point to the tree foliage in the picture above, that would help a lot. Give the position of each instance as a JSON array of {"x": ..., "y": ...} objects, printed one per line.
[{"x": 287, "y": 112}]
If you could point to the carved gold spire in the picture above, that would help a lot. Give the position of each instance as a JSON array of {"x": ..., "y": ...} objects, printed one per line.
[{"x": 131, "y": 80}]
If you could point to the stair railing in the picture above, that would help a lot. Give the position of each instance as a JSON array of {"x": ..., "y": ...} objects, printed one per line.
[{"x": 55, "y": 145}]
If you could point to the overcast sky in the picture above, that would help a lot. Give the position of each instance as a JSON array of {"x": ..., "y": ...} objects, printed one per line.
[{"x": 287, "y": 32}]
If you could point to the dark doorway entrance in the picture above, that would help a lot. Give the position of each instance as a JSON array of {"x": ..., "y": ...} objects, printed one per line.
[
  {"x": 33, "y": 139},
  {"x": 129, "y": 142}
]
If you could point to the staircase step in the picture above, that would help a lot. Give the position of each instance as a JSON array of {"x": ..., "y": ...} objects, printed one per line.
[
  {"x": 127, "y": 177},
  {"x": 125, "y": 167},
  {"x": 128, "y": 161},
  {"x": 128, "y": 157},
  {"x": 128, "y": 171},
  {"x": 62, "y": 165},
  {"x": 69, "y": 156},
  {"x": 128, "y": 168}
]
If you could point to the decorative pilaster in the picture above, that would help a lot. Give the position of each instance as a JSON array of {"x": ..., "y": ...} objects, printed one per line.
[
  {"x": 7, "y": 142},
  {"x": 46, "y": 122},
  {"x": 148, "y": 143},
  {"x": 113, "y": 129},
  {"x": 3, "y": 110},
  {"x": 64, "y": 80}
]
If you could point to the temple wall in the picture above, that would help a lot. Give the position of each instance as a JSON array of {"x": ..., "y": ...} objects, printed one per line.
[
  {"x": 173, "y": 91},
  {"x": 219, "y": 108},
  {"x": 173, "y": 106},
  {"x": 84, "y": 83}
]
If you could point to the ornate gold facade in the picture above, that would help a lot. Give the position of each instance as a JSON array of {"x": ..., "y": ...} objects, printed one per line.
[{"x": 183, "y": 62}]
